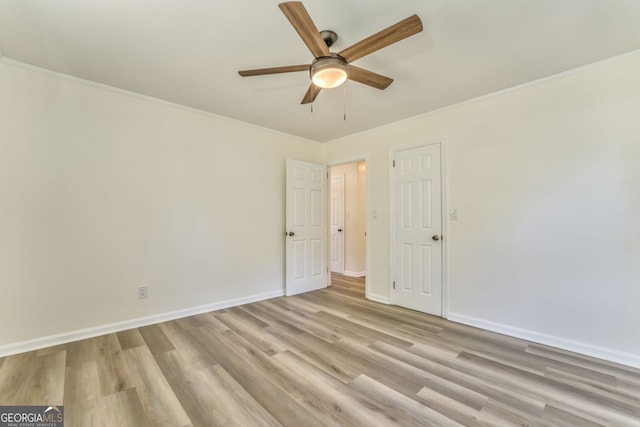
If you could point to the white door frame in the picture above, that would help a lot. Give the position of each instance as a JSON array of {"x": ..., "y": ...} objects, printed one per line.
[
  {"x": 367, "y": 248},
  {"x": 445, "y": 219}
]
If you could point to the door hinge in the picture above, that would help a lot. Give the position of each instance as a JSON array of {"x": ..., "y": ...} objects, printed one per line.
[
  {"x": 394, "y": 284},
  {"x": 394, "y": 163}
]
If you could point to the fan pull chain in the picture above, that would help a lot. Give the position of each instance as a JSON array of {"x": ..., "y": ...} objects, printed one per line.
[
  {"x": 344, "y": 102},
  {"x": 312, "y": 108}
]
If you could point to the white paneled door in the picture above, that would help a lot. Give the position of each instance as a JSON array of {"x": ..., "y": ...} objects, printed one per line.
[
  {"x": 417, "y": 229},
  {"x": 337, "y": 223},
  {"x": 306, "y": 227}
]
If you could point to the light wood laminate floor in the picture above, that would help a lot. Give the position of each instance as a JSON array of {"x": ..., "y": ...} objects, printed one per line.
[{"x": 324, "y": 358}]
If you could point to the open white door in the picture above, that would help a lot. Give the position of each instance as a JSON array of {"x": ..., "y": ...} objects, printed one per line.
[
  {"x": 306, "y": 222},
  {"x": 337, "y": 223}
]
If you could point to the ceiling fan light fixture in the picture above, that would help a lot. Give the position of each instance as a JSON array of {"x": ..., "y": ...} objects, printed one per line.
[{"x": 329, "y": 72}]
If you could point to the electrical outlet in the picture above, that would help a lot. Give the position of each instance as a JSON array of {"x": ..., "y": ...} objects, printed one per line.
[{"x": 143, "y": 292}]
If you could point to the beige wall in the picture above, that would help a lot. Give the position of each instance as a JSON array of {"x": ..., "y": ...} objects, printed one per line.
[
  {"x": 101, "y": 192},
  {"x": 546, "y": 179}
]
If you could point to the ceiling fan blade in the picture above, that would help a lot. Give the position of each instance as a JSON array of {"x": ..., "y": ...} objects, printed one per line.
[
  {"x": 307, "y": 30},
  {"x": 311, "y": 94},
  {"x": 403, "y": 29},
  {"x": 369, "y": 78},
  {"x": 274, "y": 70}
]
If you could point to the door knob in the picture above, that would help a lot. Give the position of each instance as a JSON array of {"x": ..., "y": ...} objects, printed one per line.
[
  {"x": 436, "y": 237},
  {"x": 291, "y": 234},
  {"x": 339, "y": 230}
]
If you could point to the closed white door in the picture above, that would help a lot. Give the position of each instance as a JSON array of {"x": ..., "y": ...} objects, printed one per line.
[
  {"x": 306, "y": 227},
  {"x": 337, "y": 223},
  {"x": 417, "y": 229}
]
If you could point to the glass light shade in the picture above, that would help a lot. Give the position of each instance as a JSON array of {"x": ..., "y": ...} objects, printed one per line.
[
  {"x": 329, "y": 72},
  {"x": 328, "y": 78}
]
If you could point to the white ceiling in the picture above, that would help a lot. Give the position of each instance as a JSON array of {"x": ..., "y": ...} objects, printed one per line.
[{"x": 189, "y": 51}]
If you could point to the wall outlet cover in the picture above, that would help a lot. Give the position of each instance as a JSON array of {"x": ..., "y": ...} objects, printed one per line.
[{"x": 143, "y": 292}]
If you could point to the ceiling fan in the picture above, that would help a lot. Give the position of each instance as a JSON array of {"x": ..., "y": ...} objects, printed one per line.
[{"x": 329, "y": 70}]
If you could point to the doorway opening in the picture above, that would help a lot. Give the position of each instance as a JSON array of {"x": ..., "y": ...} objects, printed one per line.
[{"x": 347, "y": 221}]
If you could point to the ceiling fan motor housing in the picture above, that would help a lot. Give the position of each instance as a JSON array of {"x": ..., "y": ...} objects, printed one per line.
[{"x": 329, "y": 37}]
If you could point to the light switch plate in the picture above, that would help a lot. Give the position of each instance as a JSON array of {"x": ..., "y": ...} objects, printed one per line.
[{"x": 453, "y": 214}]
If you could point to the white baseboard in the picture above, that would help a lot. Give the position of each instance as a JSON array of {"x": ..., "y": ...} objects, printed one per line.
[
  {"x": 378, "y": 298},
  {"x": 355, "y": 274},
  {"x": 67, "y": 337},
  {"x": 611, "y": 355}
]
